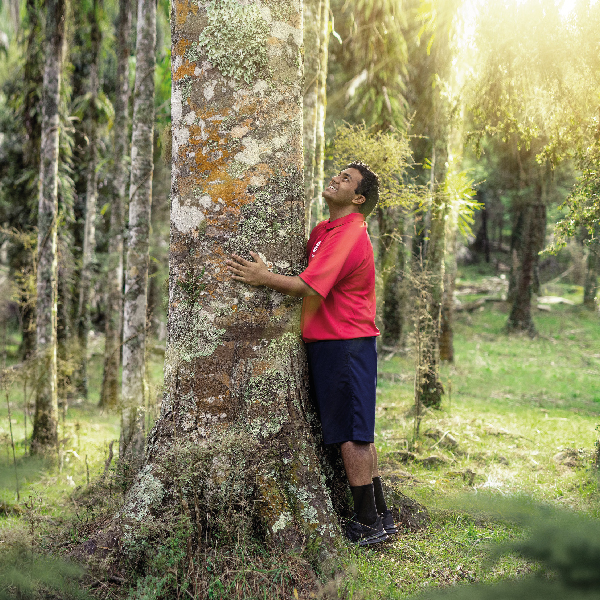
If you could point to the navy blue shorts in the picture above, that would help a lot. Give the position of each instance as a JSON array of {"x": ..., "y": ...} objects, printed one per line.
[{"x": 343, "y": 376}]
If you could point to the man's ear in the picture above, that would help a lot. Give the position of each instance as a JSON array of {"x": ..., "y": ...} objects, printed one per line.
[{"x": 359, "y": 200}]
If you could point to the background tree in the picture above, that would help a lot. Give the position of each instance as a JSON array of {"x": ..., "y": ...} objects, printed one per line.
[
  {"x": 46, "y": 400},
  {"x": 529, "y": 94},
  {"x": 112, "y": 352},
  {"x": 431, "y": 53},
  {"x": 88, "y": 263},
  {"x": 140, "y": 201}
]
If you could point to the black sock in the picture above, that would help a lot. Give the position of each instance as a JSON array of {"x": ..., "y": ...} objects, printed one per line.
[
  {"x": 364, "y": 503},
  {"x": 379, "y": 499}
]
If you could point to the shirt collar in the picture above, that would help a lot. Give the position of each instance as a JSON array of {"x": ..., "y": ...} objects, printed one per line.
[{"x": 355, "y": 216}]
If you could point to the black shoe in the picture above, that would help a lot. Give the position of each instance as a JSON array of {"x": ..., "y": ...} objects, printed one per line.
[
  {"x": 387, "y": 519},
  {"x": 365, "y": 535}
]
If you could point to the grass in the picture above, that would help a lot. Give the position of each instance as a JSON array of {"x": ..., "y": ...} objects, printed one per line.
[
  {"x": 521, "y": 414},
  {"x": 524, "y": 415}
]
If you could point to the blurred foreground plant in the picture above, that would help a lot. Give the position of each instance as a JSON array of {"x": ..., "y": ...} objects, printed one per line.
[{"x": 566, "y": 545}]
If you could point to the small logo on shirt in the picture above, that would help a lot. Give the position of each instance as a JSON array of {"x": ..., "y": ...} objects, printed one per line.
[{"x": 316, "y": 247}]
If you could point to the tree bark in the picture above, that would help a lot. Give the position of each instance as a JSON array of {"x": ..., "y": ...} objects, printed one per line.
[
  {"x": 532, "y": 242},
  {"x": 88, "y": 264},
  {"x": 236, "y": 387},
  {"x": 109, "y": 396},
  {"x": 45, "y": 435},
  {"x": 319, "y": 176},
  {"x": 392, "y": 264},
  {"x": 590, "y": 288},
  {"x": 430, "y": 390},
  {"x": 140, "y": 201}
]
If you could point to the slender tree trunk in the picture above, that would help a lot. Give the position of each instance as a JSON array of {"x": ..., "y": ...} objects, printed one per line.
[
  {"x": 481, "y": 245},
  {"x": 431, "y": 389},
  {"x": 532, "y": 241},
  {"x": 312, "y": 32},
  {"x": 15, "y": 18},
  {"x": 590, "y": 288},
  {"x": 447, "y": 321},
  {"x": 236, "y": 386},
  {"x": 392, "y": 264},
  {"x": 33, "y": 75},
  {"x": 64, "y": 329},
  {"x": 140, "y": 201},
  {"x": 109, "y": 396},
  {"x": 91, "y": 194},
  {"x": 319, "y": 176},
  {"x": 45, "y": 434}
]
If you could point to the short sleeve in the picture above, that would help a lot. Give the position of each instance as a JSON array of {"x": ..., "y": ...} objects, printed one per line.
[{"x": 326, "y": 266}]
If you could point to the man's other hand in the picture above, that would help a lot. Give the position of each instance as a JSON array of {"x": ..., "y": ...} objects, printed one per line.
[{"x": 253, "y": 273}]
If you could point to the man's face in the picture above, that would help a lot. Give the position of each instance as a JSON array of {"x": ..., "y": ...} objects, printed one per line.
[{"x": 341, "y": 190}]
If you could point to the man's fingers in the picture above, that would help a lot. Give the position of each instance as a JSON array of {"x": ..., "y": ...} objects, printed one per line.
[{"x": 240, "y": 260}]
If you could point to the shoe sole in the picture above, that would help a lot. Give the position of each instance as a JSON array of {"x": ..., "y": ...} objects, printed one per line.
[{"x": 375, "y": 538}]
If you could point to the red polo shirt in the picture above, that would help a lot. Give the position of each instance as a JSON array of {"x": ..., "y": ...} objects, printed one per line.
[{"x": 341, "y": 269}]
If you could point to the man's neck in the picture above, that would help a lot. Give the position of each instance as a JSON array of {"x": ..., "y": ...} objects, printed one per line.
[{"x": 338, "y": 212}]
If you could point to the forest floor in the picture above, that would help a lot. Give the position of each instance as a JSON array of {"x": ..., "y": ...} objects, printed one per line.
[{"x": 519, "y": 418}]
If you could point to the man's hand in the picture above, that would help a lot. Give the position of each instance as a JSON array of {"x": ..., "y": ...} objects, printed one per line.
[
  {"x": 253, "y": 273},
  {"x": 257, "y": 273}
]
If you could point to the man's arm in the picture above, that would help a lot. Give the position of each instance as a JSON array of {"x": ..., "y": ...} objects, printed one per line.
[{"x": 257, "y": 274}]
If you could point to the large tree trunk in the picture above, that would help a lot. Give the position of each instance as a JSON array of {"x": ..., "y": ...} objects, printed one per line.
[
  {"x": 140, "y": 201},
  {"x": 392, "y": 265},
  {"x": 88, "y": 263},
  {"x": 236, "y": 405},
  {"x": 531, "y": 242},
  {"x": 45, "y": 435},
  {"x": 109, "y": 396}
]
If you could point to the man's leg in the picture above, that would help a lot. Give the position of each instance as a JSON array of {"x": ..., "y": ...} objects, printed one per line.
[
  {"x": 380, "y": 503},
  {"x": 358, "y": 462}
]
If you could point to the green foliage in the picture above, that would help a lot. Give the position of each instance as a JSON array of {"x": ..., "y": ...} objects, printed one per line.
[
  {"x": 234, "y": 39},
  {"x": 582, "y": 204},
  {"x": 388, "y": 154},
  {"x": 373, "y": 59},
  {"x": 459, "y": 193}
]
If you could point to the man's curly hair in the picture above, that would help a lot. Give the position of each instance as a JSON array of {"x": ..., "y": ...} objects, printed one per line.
[{"x": 368, "y": 187}]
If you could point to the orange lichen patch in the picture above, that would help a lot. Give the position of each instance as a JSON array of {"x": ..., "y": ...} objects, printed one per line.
[
  {"x": 181, "y": 47},
  {"x": 186, "y": 69},
  {"x": 231, "y": 191},
  {"x": 273, "y": 41},
  {"x": 183, "y": 9}
]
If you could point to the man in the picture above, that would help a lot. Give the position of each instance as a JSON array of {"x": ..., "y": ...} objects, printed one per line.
[{"x": 338, "y": 326}]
